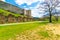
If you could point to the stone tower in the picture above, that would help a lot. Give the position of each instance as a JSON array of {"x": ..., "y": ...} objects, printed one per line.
[{"x": 27, "y": 13}]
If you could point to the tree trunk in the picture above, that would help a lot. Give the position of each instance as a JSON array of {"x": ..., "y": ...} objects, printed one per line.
[{"x": 50, "y": 19}]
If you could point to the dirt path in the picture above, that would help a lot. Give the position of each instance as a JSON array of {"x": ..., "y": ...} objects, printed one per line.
[
  {"x": 33, "y": 34},
  {"x": 19, "y": 23}
]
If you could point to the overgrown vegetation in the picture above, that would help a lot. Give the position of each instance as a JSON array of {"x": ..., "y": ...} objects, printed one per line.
[{"x": 6, "y": 13}]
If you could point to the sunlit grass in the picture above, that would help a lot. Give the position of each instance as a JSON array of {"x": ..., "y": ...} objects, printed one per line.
[
  {"x": 12, "y": 30},
  {"x": 45, "y": 30}
]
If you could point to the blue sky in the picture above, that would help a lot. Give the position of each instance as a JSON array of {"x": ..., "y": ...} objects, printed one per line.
[{"x": 27, "y": 4}]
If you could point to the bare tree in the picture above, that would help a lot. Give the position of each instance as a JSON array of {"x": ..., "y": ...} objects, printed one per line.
[{"x": 49, "y": 6}]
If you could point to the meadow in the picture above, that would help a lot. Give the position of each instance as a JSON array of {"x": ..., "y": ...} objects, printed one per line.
[{"x": 31, "y": 31}]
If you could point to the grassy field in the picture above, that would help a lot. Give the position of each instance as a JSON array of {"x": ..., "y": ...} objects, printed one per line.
[
  {"x": 10, "y": 31},
  {"x": 31, "y": 31},
  {"x": 49, "y": 31}
]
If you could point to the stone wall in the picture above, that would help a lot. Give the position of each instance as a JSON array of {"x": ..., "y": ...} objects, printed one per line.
[
  {"x": 2, "y": 19},
  {"x": 20, "y": 19},
  {"x": 12, "y": 19}
]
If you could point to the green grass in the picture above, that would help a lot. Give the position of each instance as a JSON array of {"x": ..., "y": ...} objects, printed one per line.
[
  {"x": 6, "y": 13},
  {"x": 7, "y": 32},
  {"x": 44, "y": 33}
]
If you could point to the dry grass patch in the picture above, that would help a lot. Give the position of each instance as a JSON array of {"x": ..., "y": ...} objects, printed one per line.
[{"x": 44, "y": 32}]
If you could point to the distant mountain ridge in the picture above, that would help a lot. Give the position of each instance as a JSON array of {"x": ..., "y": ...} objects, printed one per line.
[{"x": 11, "y": 8}]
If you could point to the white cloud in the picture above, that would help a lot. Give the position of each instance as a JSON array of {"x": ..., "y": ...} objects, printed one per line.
[
  {"x": 35, "y": 13},
  {"x": 58, "y": 8},
  {"x": 3, "y": 0},
  {"x": 29, "y": 2}
]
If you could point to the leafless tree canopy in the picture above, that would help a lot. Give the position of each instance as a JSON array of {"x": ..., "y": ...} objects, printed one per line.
[{"x": 49, "y": 6}]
